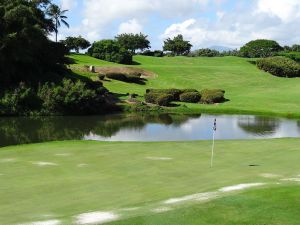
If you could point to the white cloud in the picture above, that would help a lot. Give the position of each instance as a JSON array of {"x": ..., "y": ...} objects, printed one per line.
[
  {"x": 131, "y": 26},
  {"x": 286, "y": 10},
  {"x": 270, "y": 19},
  {"x": 68, "y": 4}
]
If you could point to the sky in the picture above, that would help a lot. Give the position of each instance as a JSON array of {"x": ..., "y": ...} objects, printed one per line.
[{"x": 205, "y": 23}]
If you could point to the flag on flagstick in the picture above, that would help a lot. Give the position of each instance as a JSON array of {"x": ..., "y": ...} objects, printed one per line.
[{"x": 213, "y": 145}]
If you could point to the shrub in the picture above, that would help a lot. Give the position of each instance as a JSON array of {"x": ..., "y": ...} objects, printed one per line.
[
  {"x": 126, "y": 78},
  {"x": 189, "y": 90},
  {"x": 151, "y": 97},
  {"x": 21, "y": 100},
  {"x": 292, "y": 55},
  {"x": 156, "y": 53},
  {"x": 212, "y": 96},
  {"x": 280, "y": 66},
  {"x": 192, "y": 97},
  {"x": 164, "y": 100},
  {"x": 101, "y": 76},
  {"x": 260, "y": 48},
  {"x": 110, "y": 50},
  {"x": 206, "y": 52},
  {"x": 174, "y": 92}
]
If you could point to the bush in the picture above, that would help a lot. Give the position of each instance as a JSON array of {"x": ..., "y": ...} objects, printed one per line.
[
  {"x": 174, "y": 92},
  {"x": 156, "y": 53},
  {"x": 260, "y": 49},
  {"x": 126, "y": 78},
  {"x": 206, "y": 52},
  {"x": 292, "y": 55},
  {"x": 212, "y": 96},
  {"x": 164, "y": 100},
  {"x": 151, "y": 97},
  {"x": 110, "y": 50},
  {"x": 192, "y": 97},
  {"x": 280, "y": 66},
  {"x": 19, "y": 101}
]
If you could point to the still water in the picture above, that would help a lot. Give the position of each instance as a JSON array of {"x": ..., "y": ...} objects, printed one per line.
[{"x": 137, "y": 127}]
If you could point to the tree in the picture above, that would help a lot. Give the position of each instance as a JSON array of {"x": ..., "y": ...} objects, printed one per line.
[
  {"x": 110, "y": 50},
  {"x": 133, "y": 42},
  {"x": 260, "y": 48},
  {"x": 177, "y": 45},
  {"x": 58, "y": 17},
  {"x": 76, "y": 43},
  {"x": 26, "y": 53}
]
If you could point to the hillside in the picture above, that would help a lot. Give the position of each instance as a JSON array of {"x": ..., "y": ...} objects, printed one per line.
[{"x": 248, "y": 89}]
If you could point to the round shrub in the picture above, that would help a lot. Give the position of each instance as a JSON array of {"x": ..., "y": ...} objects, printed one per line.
[
  {"x": 192, "y": 97},
  {"x": 164, "y": 100},
  {"x": 151, "y": 97},
  {"x": 279, "y": 66},
  {"x": 212, "y": 96},
  {"x": 174, "y": 92},
  {"x": 260, "y": 48}
]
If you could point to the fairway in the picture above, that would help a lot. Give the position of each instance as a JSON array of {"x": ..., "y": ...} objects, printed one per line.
[
  {"x": 150, "y": 183},
  {"x": 248, "y": 89}
]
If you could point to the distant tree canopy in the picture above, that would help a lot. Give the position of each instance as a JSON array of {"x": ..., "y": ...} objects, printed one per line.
[
  {"x": 76, "y": 43},
  {"x": 177, "y": 45},
  {"x": 26, "y": 54},
  {"x": 260, "y": 48},
  {"x": 110, "y": 50},
  {"x": 133, "y": 42}
]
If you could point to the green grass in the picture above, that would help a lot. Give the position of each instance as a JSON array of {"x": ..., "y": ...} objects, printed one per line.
[
  {"x": 119, "y": 175},
  {"x": 248, "y": 89}
]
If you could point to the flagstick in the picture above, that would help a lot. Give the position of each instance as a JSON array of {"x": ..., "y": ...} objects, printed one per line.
[{"x": 212, "y": 150}]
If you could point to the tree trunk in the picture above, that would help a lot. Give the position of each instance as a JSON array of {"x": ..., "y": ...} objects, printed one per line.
[{"x": 56, "y": 31}]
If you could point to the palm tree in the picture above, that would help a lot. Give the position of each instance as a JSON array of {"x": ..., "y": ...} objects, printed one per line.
[{"x": 58, "y": 17}]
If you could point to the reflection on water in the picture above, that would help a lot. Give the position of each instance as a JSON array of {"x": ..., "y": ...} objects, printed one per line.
[{"x": 143, "y": 127}]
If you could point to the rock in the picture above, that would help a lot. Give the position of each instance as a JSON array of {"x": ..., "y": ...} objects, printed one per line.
[{"x": 92, "y": 69}]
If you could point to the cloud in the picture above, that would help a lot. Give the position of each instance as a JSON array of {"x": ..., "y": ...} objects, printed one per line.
[
  {"x": 269, "y": 19},
  {"x": 131, "y": 26},
  {"x": 68, "y": 4}
]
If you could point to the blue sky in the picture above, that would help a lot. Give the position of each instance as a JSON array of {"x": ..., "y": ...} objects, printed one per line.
[{"x": 204, "y": 23}]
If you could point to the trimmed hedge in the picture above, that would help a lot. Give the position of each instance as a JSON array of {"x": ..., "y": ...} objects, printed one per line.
[
  {"x": 279, "y": 66},
  {"x": 174, "y": 92},
  {"x": 126, "y": 78},
  {"x": 212, "y": 96},
  {"x": 192, "y": 97},
  {"x": 158, "y": 98}
]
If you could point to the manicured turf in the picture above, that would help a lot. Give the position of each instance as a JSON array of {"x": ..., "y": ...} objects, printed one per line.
[
  {"x": 87, "y": 176},
  {"x": 248, "y": 89}
]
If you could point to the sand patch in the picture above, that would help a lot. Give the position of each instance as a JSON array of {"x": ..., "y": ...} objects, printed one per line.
[
  {"x": 269, "y": 175},
  {"x": 8, "y": 160},
  {"x": 48, "y": 222},
  {"x": 240, "y": 187},
  {"x": 161, "y": 209},
  {"x": 159, "y": 158},
  {"x": 82, "y": 165},
  {"x": 195, "y": 197},
  {"x": 44, "y": 164},
  {"x": 96, "y": 218},
  {"x": 293, "y": 179},
  {"x": 63, "y": 154}
]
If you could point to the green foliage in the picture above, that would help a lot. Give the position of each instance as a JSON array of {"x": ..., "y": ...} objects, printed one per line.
[
  {"x": 260, "y": 48},
  {"x": 192, "y": 97},
  {"x": 26, "y": 53},
  {"x": 177, "y": 45},
  {"x": 18, "y": 101},
  {"x": 76, "y": 43},
  {"x": 129, "y": 78},
  {"x": 156, "y": 53},
  {"x": 175, "y": 93},
  {"x": 212, "y": 96},
  {"x": 161, "y": 99},
  {"x": 292, "y": 55},
  {"x": 164, "y": 99},
  {"x": 205, "y": 52},
  {"x": 133, "y": 42},
  {"x": 279, "y": 66},
  {"x": 111, "y": 51}
]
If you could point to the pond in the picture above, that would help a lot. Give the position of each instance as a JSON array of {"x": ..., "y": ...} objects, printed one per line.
[{"x": 143, "y": 127}]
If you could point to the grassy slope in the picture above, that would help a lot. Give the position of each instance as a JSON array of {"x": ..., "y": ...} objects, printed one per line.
[
  {"x": 248, "y": 88},
  {"x": 119, "y": 175}
]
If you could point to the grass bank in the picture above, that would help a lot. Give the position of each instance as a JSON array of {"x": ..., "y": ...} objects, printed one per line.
[
  {"x": 61, "y": 180},
  {"x": 248, "y": 89}
]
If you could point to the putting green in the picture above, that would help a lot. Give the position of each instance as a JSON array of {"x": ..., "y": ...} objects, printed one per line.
[{"x": 61, "y": 180}]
